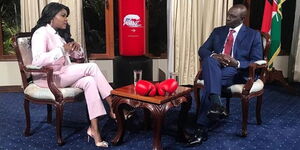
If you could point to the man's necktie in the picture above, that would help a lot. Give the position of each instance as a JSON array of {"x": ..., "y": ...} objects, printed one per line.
[{"x": 229, "y": 43}]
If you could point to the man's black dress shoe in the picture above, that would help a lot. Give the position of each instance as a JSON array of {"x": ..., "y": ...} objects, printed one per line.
[
  {"x": 217, "y": 112},
  {"x": 201, "y": 135}
]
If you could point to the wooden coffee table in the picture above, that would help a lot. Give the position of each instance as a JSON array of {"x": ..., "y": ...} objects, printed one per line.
[{"x": 157, "y": 106}]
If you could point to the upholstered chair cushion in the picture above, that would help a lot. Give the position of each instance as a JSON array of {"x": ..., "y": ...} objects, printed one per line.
[
  {"x": 238, "y": 88},
  {"x": 25, "y": 50},
  {"x": 261, "y": 62},
  {"x": 44, "y": 93}
]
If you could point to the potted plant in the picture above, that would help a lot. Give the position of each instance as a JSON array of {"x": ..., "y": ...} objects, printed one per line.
[{"x": 10, "y": 14}]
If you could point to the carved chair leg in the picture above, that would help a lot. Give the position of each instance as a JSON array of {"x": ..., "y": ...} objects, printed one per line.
[
  {"x": 59, "y": 117},
  {"x": 27, "y": 116},
  {"x": 49, "y": 113},
  {"x": 245, "y": 107},
  {"x": 197, "y": 100},
  {"x": 258, "y": 109}
]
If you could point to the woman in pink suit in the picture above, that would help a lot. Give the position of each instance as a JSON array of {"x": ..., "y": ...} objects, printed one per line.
[{"x": 52, "y": 46}]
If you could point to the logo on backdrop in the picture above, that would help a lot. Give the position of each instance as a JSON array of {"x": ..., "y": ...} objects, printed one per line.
[{"x": 132, "y": 20}]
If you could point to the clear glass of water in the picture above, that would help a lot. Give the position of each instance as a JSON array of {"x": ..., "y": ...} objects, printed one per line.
[
  {"x": 137, "y": 75},
  {"x": 174, "y": 75}
]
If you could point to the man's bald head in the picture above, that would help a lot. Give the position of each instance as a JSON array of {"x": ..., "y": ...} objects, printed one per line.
[
  {"x": 241, "y": 8},
  {"x": 236, "y": 15}
]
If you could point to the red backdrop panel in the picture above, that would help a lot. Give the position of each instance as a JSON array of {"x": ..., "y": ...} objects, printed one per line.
[{"x": 132, "y": 29}]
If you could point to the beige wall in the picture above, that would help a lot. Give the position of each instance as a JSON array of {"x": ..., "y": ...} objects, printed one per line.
[
  {"x": 160, "y": 69},
  {"x": 281, "y": 63},
  {"x": 10, "y": 75}
]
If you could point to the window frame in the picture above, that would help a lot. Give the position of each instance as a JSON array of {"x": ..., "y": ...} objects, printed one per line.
[
  {"x": 109, "y": 36},
  {"x": 148, "y": 53},
  {"x": 109, "y": 29}
]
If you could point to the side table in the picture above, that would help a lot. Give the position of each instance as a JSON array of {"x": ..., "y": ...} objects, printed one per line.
[{"x": 157, "y": 106}]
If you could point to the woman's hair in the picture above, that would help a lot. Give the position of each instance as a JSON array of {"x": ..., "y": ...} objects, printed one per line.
[{"x": 48, "y": 13}]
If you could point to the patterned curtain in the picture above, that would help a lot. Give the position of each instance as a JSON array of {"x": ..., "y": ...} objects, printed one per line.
[
  {"x": 190, "y": 22},
  {"x": 32, "y": 9}
]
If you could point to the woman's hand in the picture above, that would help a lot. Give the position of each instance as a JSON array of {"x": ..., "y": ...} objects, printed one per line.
[{"x": 71, "y": 46}]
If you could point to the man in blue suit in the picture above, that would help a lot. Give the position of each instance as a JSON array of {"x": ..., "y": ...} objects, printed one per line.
[{"x": 225, "y": 58}]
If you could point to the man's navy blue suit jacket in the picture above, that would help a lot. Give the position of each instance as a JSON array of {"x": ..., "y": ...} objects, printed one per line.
[{"x": 247, "y": 47}]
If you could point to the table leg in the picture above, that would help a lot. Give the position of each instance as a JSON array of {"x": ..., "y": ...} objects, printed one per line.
[
  {"x": 185, "y": 107},
  {"x": 158, "y": 118},
  {"x": 147, "y": 119},
  {"x": 120, "y": 121}
]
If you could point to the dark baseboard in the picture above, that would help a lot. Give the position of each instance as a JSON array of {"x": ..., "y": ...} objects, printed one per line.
[{"x": 13, "y": 88}]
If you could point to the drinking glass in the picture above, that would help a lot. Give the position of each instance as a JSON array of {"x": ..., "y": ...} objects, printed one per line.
[
  {"x": 174, "y": 75},
  {"x": 137, "y": 75}
]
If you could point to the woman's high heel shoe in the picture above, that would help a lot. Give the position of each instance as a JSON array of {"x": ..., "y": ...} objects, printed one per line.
[{"x": 98, "y": 144}]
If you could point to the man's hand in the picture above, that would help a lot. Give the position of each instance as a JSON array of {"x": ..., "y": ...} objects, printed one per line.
[
  {"x": 225, "y": 60},
  {"x": 230, "y": 61},
  {"x": 218, "y": 57}
]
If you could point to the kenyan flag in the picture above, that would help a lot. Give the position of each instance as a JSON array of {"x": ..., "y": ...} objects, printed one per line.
[{"x": 272, "y": 24}]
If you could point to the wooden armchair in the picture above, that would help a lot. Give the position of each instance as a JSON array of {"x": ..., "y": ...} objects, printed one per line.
[
  {"x": 35, "y": 94},
  {"x": 252, "y": 88}
]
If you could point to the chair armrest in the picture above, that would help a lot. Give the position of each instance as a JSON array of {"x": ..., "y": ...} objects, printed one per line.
[
  {"x": 199, "y": 74},
  {"x": 49, "y": 73},
  {"x": 261, "y": 64},
  {"x": 33, "y": 67}
]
